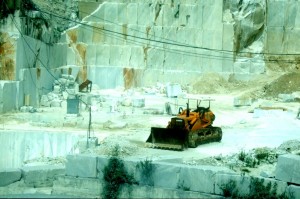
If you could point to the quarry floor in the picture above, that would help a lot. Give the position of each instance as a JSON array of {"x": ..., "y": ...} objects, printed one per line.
[
  {"x": 244, "y": 128},
  {"x": 47, "y": 134}
]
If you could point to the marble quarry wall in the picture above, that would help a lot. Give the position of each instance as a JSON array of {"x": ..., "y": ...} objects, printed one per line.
[
  {"x": 83, "y": 174},
  {"x": 20, "y": 146},
  {"x": 176, "y": 41},
  {"x": 170, "y": 41},
  {"x": 282, "y": 35},
  {"x": 133, "y": 43},
  {"x": 30, "y": 73},
  {"x": 153, "y": 41}
]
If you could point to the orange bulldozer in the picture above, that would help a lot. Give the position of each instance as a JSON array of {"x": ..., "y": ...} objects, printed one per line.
[{"x": 187, "y": 129}]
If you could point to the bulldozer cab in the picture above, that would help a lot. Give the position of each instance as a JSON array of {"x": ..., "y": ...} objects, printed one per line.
[{"x": 177, "y": 123}]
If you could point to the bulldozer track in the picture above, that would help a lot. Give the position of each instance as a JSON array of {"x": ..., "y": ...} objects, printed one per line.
[
  {"x": 203, "y": 136},
  {"x": 165, "y": 146}
]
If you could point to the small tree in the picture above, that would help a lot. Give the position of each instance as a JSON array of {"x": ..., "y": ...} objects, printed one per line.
[
  {"x": 147, "y": 169},
  {"x": 115, "y": 175}
]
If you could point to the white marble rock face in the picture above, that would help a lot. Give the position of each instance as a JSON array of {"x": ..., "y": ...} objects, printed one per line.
[
  {"x": 167, "y": 40},
  {"x": 197, "y": 23}
]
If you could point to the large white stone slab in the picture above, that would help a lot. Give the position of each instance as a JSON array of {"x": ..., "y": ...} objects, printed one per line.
[
  {"x": 287, "y": 168},
  {"x": 227, "y": 65},
  {"x": 77, "y": 187},
  {"x": 122, "y": 13},
  {"x": 200, "y": 178},
  {"x": 136, "y": 191},
  {"x": 213, "y": 13},
  {"x": 173, "y": 60},
  {"x": 166, "y": 175},
  {"x": 91, "y": 55},
  {"x": 228, "y": 37},
  {"x": 97, "y": 15},
  {"x": 8, "y": 96},
  {"x": 102, "y": 55},
  {"x": 115, "y": 34},
  {"x": 136, "y": 57},
  {"x": 193, "y": 60},
  {"x": 169, "y": 16},
  {"x": 276, "y": 14},
  {"x": 294, "y": 191},
  {"x": 184, "y": 15},
  {"x": 291, "y": 43},
  {"x": 119, "y": 56},
  {"x": 157, "y": 37},
  {"x": 85, "y": 33},
  {"x": 157, "y": 14},
  {"x": 243, "y": 183},
  {"x": 171, "y": 38},
  {"x": 132, "y": 10},
  {"x": 212, "y": 39},
  {"x": 41, "y": 176},
  {"x": 192, "y": 37},
  {"x": 106, "y": 77},
  {"x": 98, "y": 33},
  {"x": 111, "y": 12},
  {"x": 21, "y": 146},
  {"x": 9, "y": 176},
  {"x": 195, "y": 18},
  {"x": 84, "y": 166},
  {"x": 274, "y": 40},
  {"x": 70, "y": 56},
  {"x": 143, "y": 14},
  {"x": 59, "y": 54}
]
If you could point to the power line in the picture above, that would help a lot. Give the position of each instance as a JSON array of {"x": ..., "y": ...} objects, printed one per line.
[
  {"x": 165, "y": 41},
  {"x": 121, "y": 38},
  {"x": 111, "y": 22},
  {"x": 231, "y": 57},
  {"x": 37, "y": 57}
]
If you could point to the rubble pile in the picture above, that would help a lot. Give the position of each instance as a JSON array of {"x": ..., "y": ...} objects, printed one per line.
[
  {"x": 246, "y": 161},
  {"x": 63, "y": 88},
  {"x": 286, "y": 84},
  {"x": 211, "y": 83},
  {"x": 111, "y": 143}
]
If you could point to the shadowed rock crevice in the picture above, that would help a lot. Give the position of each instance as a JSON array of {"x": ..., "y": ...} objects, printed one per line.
[{"x": 249, "y": 25}]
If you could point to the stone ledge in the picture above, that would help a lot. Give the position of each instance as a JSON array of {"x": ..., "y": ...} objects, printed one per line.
[
  {"x": 84, "y": 166},
  {"x": 74, "y": 186},
  {"x": 41, "y": 176},
  {"x": 243, "y": 183},
  {"x": 287, "y": 168},
  {"x": 294, "y": 191},
  {"x": 171, "y": 175},
  {"x": 87, "y": 187},
  {"x": 9, "y": 176}
]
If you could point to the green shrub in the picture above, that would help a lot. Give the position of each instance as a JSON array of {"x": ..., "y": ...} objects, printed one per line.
[
  {"x": 242, "y": 156},
  {"x": 229, "y": 189},
  {"x": 248, "y": 159},
  {"x": 251, "y": 161},
  {"x": 115, "y": 175},
  {"x": 262, "y": 153},
  {"x": 180, "y": 185},
  {"x": 257, "y": 190},
  {"x": 147, "y": 169}
]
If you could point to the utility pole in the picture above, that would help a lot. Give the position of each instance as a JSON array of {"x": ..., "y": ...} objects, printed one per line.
[{"x": 89, "y": 128}]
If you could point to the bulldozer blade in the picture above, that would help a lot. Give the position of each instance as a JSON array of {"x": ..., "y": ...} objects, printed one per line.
[{"x": 167, "y": 138}]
